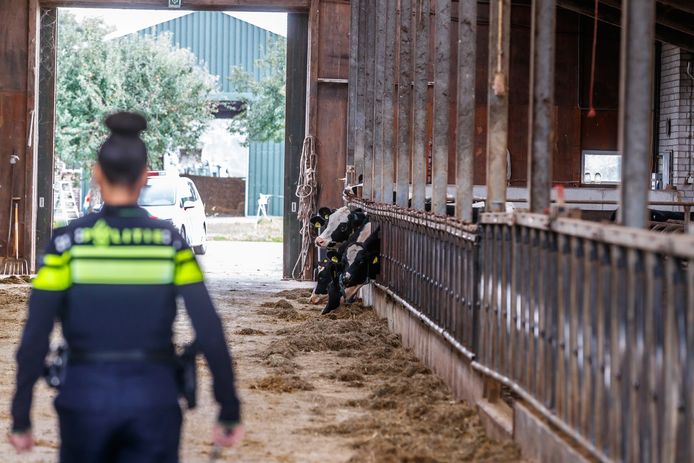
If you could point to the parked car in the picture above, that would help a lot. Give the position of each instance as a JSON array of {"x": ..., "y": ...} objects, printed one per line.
[{"x": 176, "y": 199}]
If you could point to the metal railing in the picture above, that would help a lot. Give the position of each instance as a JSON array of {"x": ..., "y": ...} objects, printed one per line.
[
  {"x": 592, "y": 324},
  {"x": 431, "y": 263}
]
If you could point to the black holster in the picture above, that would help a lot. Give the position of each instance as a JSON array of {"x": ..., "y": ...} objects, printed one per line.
[
  {"x": 186, "y": 374},
  {"x": 56, "y": 367}
]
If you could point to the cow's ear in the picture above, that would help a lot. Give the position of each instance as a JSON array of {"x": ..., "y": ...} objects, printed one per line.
[
  {"x": 317, "y": 221},
  {"x": 325, "y": 212},
  {"x": 333, "y": 256}
]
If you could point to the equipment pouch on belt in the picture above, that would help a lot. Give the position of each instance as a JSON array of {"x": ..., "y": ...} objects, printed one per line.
[
  {"x": 186, "y": 373},
  {"x": 56, "y": 367}
]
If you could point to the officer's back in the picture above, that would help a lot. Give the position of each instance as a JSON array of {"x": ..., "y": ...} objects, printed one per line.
[{"x": 112, "y": 279}]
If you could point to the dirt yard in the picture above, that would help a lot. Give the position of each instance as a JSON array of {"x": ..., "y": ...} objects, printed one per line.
[{"x": 314, "y": 389}]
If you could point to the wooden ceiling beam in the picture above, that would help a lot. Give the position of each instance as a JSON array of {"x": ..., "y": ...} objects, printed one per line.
[
  {"x": 610, "y": 15},
  {"x": 683, "y": 5},
  {"x": 225, "y": 5}
]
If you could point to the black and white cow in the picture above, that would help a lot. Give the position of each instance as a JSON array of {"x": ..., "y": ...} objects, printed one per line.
[
  {"x": 328, "y": 270},
  {"x": 359, "y": 263},
  {"x": 338, "y": 227}
]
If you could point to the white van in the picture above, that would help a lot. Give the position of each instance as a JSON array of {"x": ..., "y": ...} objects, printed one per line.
[{"x": 176, "y": 199}]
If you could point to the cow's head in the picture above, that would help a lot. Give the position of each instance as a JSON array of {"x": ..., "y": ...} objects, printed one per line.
[
  {"x": 328, "y": 270},
  {"x": 360, "y": 258},
  {"x": 341, "y": 223}
]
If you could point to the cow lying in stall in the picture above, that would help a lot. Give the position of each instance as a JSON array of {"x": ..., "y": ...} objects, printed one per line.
[{"x": 352, "y": 258}]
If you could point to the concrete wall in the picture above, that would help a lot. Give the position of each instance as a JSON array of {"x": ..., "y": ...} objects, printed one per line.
[
  {"x": 675, "y": 128},
  {"x": 221, "y": 195}
]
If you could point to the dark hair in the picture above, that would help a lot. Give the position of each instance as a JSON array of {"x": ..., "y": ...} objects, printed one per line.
[{"x": 123, "y": 156}]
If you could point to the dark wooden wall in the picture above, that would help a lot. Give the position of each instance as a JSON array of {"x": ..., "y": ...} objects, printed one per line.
[{"x": 16, "y": 98}]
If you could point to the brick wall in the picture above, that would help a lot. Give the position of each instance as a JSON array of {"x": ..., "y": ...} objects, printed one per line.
[
  {"x": 675, "y": 106},
  {"x": 222, "y": 196}
]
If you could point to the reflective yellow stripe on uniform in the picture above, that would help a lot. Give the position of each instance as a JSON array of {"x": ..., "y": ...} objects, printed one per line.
[
  {"x": 55, "y": 273},
  {"x": 187, "y": 268},
  {"x": 122, "y": 265}
]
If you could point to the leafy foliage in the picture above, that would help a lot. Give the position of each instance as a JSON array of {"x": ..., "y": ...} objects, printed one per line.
[
  {"x": 263, "y": 98},
  {"x": 146, "y": 74}
]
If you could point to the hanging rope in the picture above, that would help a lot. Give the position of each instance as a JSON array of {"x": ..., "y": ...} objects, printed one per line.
[
  {"x": 591, "y": 110},
  {"x": 307, "y": 192}
]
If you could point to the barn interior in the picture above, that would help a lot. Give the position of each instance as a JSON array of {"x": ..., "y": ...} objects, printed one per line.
[{"x": 529, "y": 164}]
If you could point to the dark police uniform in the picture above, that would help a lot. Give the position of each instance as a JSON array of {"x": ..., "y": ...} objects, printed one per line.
[{"x": 112, "y": 279}]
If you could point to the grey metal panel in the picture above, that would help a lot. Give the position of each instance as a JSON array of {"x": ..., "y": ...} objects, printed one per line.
[{"x": 266, "y": 176}]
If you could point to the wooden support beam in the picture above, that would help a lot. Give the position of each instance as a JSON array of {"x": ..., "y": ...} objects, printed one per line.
[
  {"x": 312, "y": 80},
  {"x": 635, "y": 109},
  {"x": 421, "y": 83},
  {"x": 379, "y": 45},
  {"x": 541, "y": 114},
  {"x": 297, "y": 47},
  {"x": 389, "y": 126},
  {"x": 497, "y": 103},
  {"x": 46, "y": 127},
  {"x": 404, "y": 105},
  {"x": 465, "y": 134},
  {"x": 442, "y": 69},
  {"x": 360, "y": 115},
  {"x": 224, "y": 5},
  {"x": 352, "y": 82},
  {"x": 369, "y": 100}
]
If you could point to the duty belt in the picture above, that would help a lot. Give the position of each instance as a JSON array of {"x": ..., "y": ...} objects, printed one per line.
[{"x": 117, "y": 356}]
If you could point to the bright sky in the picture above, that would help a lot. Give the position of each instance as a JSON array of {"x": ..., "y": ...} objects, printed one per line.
[{"x": 127, "y": 21}]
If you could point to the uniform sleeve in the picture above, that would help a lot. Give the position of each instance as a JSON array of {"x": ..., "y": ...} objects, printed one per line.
[
  {"x": 210, "y": 337},
  {"x": 46, "y": 300}
]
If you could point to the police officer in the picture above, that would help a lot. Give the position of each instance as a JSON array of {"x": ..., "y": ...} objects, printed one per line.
[{"x": 112, "y": 279}]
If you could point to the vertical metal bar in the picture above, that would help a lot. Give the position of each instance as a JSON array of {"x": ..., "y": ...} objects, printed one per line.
[
  {"x": 541, "y": 112},
  {"x": 370, "y": 97},
  {"x": 389, "y": 128},
  {"x": 603, "y": 347},
  {"x": 635, "y": 109},
  {"x": 353, "y": 79},
  {"x": 404, "y": 105},
  {"x": 360, "y": 115},
  {"x": 379, "y": 45},
  {"x": 442, "y": 57},
  {"x": 465, "y": 137},
  {"x": 421, "y": 78},
  {"x": 497, "y": 102}
]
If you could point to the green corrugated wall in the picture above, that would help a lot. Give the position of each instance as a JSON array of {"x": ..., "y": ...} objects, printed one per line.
[
  {"x": 220, "y": 43},
  {"x": 265, "y": 175}
]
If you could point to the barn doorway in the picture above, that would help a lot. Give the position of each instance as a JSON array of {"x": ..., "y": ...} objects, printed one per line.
[{"x": 230, "y": 60}]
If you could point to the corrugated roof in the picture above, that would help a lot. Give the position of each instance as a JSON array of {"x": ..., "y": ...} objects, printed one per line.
[{"x": 220, "y": 42}]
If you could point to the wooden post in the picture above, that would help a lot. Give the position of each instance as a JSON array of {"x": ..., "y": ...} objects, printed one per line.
[
  {"x": 379, "y": 69},
  {"x": 465, "y": 146},
  {"x": 497, "y": 103},
  {"x": 421, "y": 80},
  {"x": 46, "y": 127},
  {"x": 369, "y": 101},
  {"x": 360, "y": 114},
  {"x": 297, "y": 47},
  {"x": 389, "y": 127},
  {"x": 541, "y": 114},
  {"x": 353, "y": 79},
  {"x": 442, "y": 56},
  {"x": 404, "y": 105},
  {"x": 635, "y": 109}
]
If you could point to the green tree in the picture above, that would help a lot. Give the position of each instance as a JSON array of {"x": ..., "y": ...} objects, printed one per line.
[
  {"x": 264, "y": 99},
  {"x": 146, "y": 74}
]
